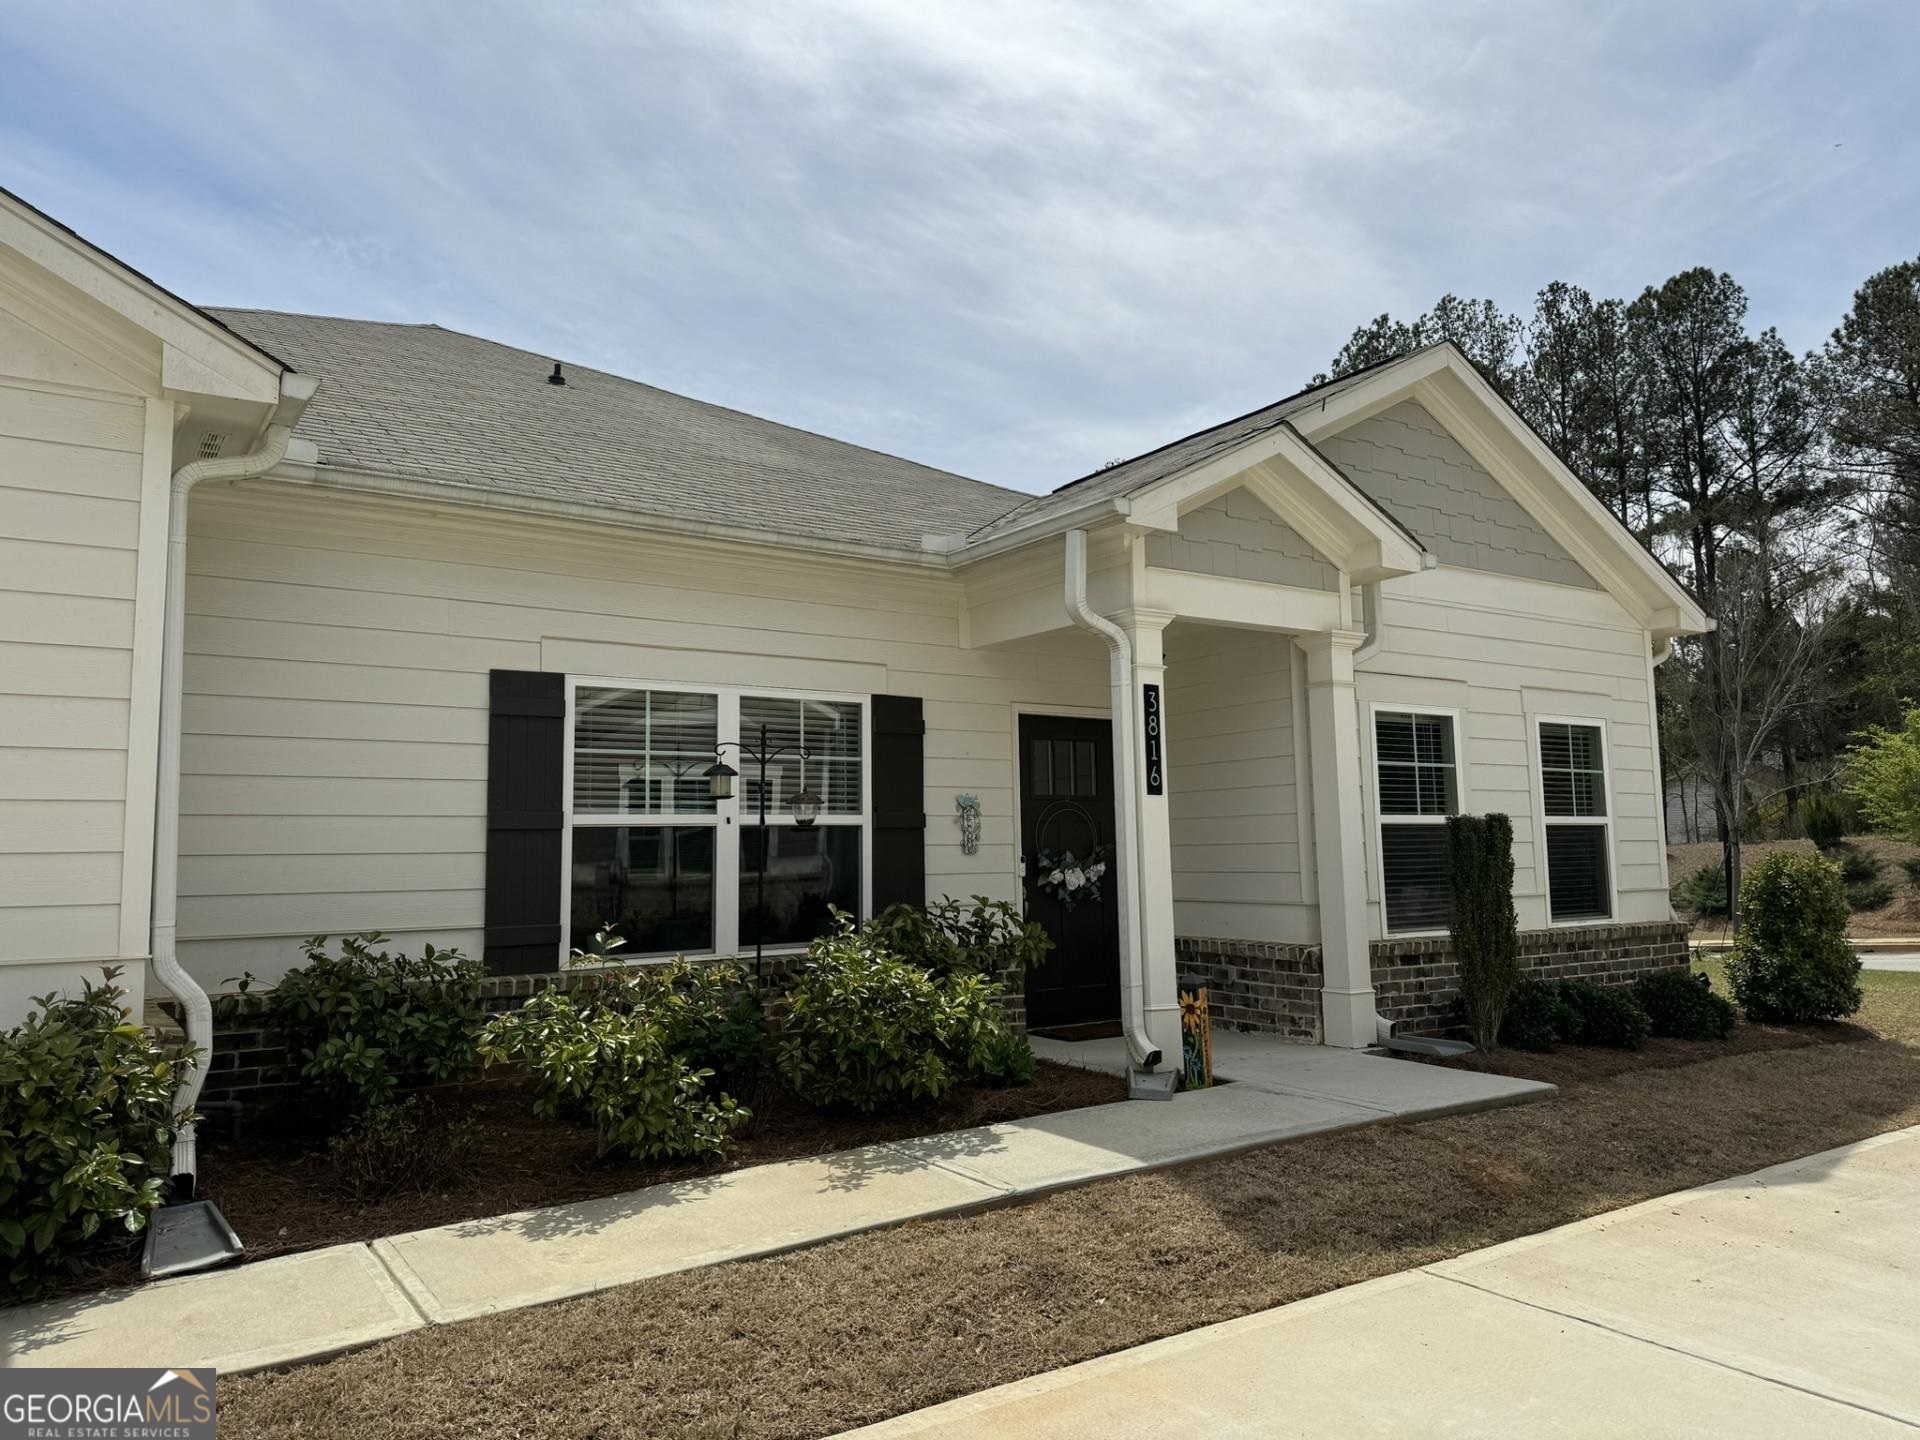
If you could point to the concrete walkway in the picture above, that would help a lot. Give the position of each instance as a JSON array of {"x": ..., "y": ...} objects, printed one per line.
[
  {"x": 306, "y": 1306},
  {"x": 1779, "y": 1303}
]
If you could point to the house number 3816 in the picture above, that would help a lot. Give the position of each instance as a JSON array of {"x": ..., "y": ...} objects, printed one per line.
[{"x": 1155, "y": 785}]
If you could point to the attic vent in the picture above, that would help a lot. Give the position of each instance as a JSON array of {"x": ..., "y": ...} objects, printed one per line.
[
  {"x": 556, "y": 378},
  {"x": 211, "y": 444}
]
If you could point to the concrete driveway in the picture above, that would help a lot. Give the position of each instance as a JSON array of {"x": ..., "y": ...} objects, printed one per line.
[{"x": 1776, "y": 1304}]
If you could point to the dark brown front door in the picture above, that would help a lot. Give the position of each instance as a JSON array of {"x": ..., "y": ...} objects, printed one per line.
[{"x": 1066, "y": 807}]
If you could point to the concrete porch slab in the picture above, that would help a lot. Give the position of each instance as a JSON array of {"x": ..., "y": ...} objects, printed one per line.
[
  {"x": 1382, "y": 1084},
  {"x": 299, "y": 1307}
]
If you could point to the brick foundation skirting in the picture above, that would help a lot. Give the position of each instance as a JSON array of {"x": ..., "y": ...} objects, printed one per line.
[
  {"x": 1275, "y": 988},
  {"x": 250, "y": 1066},
  {"x": 1257, "y": 985},
  {"x": 1416, "y": 982}
]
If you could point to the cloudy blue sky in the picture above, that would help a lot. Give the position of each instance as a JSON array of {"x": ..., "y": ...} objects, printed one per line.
[{"x": 1015, "y": 238}]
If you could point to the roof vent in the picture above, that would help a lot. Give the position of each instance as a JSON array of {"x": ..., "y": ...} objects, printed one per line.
[
  {"x": 556, "y": 378},
  {"x": 211, "y": 444}
]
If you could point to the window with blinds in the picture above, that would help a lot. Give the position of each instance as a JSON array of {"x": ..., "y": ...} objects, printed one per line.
[
  {"x": 1418, "y": 788},
  {"x": 676, "y": 871},
  {"x": 1573, "y": 788}
]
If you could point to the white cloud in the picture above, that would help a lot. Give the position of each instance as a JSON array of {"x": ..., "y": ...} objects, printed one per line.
[{"x": 1013, "y": 237}]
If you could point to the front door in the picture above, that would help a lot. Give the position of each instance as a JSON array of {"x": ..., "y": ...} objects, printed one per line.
[{"x": 1066, "y": 810}]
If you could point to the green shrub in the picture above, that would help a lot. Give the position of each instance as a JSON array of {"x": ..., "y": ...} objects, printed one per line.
[
  {"x": 1857, "y": 867},
  {"x": 363, "y": 1023},
  {"x": 1791, "y": 961},
  {"x": 86, "y": 1131},
  {"x": 1681, "y": 1004},
  {"x": 616, "y": 1070},
  {"x": 1860, "y": 873},
  {"x": 1883, "y": 774},
  {"x": 1603, "y": 1015},
  {"x": 988, "y": 937},
  {"x": 1826, "y": 818},
  {"x": 411, "y": 1148},
  {"x": 1485, "y": 930},
  {"x": 1912, "y": 866},
  {"x": 1873, "y": 895},
  {"x": 867, "y": 1030},
  {"x": 1536, "y": 1016},
  {"x": 1703, "y": 893},
  {"x": 708, "y": 1012},
  {"x": 1005, "y": 1057}
]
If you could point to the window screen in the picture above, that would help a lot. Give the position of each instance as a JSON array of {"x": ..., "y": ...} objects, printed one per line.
[
  {"x": 1418, "y": 788},
  {"x": 1573, "y": 788}
]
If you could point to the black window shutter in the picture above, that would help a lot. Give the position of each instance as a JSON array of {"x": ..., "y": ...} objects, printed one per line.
[
  {"x": 899, "y": 801},
  {"x": 526, "y": 758}
]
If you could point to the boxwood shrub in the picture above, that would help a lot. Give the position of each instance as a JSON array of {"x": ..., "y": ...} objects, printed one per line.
[
  {"x": 1602, "y": 1015},
  {"x": 86, "y": 1131},
  {"x": 1681, "y": 1005},
  {"x": 1536, "y": 1016}
]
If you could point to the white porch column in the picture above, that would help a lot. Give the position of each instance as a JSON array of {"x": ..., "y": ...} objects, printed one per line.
[
  {"x": 1333, "y": 728},
  {"x": 1147, "y": 631}
]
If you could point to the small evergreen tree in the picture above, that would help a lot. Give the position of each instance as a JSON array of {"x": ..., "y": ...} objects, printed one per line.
[
  {"x": 1486, "y": 931},
  {"x": 1791, "y": 961}
]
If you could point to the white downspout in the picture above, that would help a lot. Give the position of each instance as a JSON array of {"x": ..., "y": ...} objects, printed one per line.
[
  {"x": 1370, "y": 599},
  {"x": 295, "y": 392},
  {"x": 1126, "y": 846}
]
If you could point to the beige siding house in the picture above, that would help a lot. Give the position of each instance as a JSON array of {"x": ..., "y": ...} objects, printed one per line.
[{"x": 460, "y": 634}]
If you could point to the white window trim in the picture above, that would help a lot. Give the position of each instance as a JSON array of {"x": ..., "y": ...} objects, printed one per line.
[
  {"x": 1461, "y": 792},
  {"x": 726, "y": 816},
  {"x": 1539, "y": 784}
]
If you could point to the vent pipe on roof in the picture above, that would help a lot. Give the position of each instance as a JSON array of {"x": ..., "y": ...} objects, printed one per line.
[{"x": 556, "y": 378}]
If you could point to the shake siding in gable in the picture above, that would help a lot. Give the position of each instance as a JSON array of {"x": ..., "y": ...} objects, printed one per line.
[
  {"x": 1405, "y": 460},
  {"x": 70, "y": 479},
  {"x": 336, "y": 714}
]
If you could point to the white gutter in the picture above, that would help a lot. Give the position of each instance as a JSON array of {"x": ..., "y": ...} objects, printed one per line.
[
  {"x": 423, "y": 486},
  {"x": 963, "y": 550},
  {"x": 1126, "y": 840},
  {"x": 295, "y": 392}
]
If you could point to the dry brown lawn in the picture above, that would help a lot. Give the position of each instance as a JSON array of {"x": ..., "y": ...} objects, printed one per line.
[{"x": 811, "y": 1343}]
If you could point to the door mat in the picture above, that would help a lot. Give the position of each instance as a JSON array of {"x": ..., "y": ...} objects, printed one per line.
[{"x": 1092, "y": 1030}]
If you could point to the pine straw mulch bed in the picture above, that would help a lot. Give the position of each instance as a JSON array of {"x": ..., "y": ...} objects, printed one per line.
[
  {"x": 811, "y": 1343},
  {"x": 272, "y": 1185}
]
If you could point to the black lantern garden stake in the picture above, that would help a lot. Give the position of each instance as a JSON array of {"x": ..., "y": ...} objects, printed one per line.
[{"x": 804, "y": 807}]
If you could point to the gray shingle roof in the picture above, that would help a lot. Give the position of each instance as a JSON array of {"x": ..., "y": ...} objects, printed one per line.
[
  {"x": 1170, "y": 459},
  {"x": 423, "y": 401}
]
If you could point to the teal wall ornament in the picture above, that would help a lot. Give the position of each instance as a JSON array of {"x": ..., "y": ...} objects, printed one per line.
[{"x": 968, "y": 807}]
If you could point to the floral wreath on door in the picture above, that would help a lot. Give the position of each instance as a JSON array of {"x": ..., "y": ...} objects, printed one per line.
[{"x": 1070, "y": 878}]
